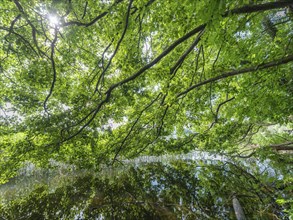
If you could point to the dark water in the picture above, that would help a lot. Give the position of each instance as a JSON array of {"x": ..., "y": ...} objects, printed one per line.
[{"x": 158, "y": 189}]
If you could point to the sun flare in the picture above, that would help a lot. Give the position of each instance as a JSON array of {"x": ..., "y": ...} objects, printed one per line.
[{"x": 53, "y": 20}]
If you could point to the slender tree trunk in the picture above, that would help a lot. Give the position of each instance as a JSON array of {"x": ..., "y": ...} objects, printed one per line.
[{"x": 238, "y": 209}]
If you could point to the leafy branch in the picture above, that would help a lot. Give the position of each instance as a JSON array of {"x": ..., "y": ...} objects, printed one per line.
[
  {"x": 133, "y": 125},
  {"x": 217, "y": 112},
  {"x": 250, "y": 9},
  {"x": 273, "y": 63},
  {"x": 117, "y": 46},
  {"x": 179, "y": 62},
  {"x": 92, "y": 22}
]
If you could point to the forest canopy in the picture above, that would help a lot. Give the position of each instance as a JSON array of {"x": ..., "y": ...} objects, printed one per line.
[{"x": 96, "y": 82}]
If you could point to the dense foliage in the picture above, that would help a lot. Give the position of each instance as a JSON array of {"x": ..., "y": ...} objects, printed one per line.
[
  {"x": 176, "y": 190},
  {"x": 95, "y": 82}
]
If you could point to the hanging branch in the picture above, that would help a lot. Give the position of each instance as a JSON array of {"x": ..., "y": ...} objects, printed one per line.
[
  {"x": 133, "y": 125},
  {"x": 53, "y": 68},
  {"x": 249, "y": 129},
  {"x": 101, "y": 61},
  {"x": 34, "y": 30},
  {"x": 196, "y": 67},
  {"x": 203, "y": 63},
  {"x": 84, "y": 10},
  {"x": 117, "y": 46},
  {"x": 217, "y": 57}
]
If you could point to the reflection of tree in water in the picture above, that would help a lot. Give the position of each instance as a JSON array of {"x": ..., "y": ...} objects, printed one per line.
[{"x": 180, "y": 190}]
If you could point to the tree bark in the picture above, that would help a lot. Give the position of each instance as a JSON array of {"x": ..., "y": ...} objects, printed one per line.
[
  {"x": 283, "y": 146},
  {"x": 238, "y": 209}
]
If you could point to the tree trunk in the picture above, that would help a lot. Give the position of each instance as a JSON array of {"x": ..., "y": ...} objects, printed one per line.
[{"x": 238, "y": 209}]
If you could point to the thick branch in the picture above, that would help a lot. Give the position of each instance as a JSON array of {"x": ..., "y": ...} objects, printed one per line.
[
  {"x": 265, "y": 6},
  {"x": 158, "y": 58},
  {"x": 283, "y": 146},
  {"x": 238, "y": 72},
  {"x": 260, "y": 7}
]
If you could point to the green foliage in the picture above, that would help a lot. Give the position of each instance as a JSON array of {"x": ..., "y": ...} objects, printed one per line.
[
  {"x": 180, "y": 189},
  {"x": 95, "y": 82}
]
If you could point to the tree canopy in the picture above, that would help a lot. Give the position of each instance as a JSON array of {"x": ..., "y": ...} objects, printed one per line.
[{"x": 96, "y": 82}]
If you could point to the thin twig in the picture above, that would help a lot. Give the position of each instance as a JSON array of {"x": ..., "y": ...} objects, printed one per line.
[
  {"x": 92, "y": 22},
  {"x": 133, "y": 125}
]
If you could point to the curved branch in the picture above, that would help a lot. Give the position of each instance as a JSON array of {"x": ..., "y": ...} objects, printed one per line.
[
  {"x": 219, "y": 106},
  {"x": 54, "y": 70},
  {"x": 158, "y": 58},
  {"x": 34, "y": 29},
  {"x": 13, "y": 23},
  {"x": 238, "y": 72},
  {"x": 217, "y": 112},
  {"x": 117, "y": 47},
  {"x": 94, "y": 113},
  {"x": 101, "y": 61},
  {"x": 250, "y": 127},
  {"x": 21, "y": 37}
]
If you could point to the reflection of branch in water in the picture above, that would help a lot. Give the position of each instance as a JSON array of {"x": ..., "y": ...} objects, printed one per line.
[{"x": 155, "y": 190}]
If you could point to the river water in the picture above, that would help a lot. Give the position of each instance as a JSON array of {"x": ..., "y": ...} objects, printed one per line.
[{"x": 197, "y": 185}]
